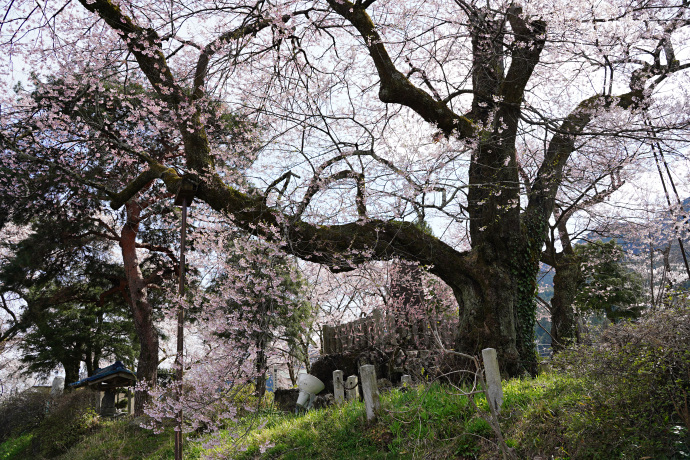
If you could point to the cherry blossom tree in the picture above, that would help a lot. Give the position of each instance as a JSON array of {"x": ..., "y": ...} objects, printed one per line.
[{"x": 372, "y": 112}]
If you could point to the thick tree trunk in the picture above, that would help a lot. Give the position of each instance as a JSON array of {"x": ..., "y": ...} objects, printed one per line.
[
  {"x": 495, "y": 313},
  {"x": 71, "y": 372},
  {"x": 142, "y": 310},
  {"x": 566, "y": 282},
  {"x": 89, "y": 363}
]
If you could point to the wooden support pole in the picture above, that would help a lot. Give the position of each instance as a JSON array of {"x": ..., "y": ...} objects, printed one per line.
[
  {"x": 179, "y": 358},
  {"x": 338, "y": 387},
  {"x": 372, "y": 403}
]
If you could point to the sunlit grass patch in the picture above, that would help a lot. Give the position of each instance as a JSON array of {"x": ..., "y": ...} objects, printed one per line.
[{"x": 16, "y": 447}]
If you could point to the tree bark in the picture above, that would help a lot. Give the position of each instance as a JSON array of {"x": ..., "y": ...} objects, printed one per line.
[
  {"x": 566, "y": 281},
  {"x": 495, "y": 312},
  {"x": 260, "y": 388},
  {"x": 142, "y": 310},
  {"x": 71, "y": 372}
]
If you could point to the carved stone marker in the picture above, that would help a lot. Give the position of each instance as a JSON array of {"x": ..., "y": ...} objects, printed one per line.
[
  {"x": 370, "y": 390},
  {"x": 338, "y": 387},
  {"x": 351, "y": 388},
  {"x": 57, "y": 386},
  {"x": 494, "y": 392},
  {"x": 406, "y": 380},
  {"x": 108, "y": 404}
]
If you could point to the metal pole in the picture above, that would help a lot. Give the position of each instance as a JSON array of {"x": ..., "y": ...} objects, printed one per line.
[{"x": 180, "y": 334}]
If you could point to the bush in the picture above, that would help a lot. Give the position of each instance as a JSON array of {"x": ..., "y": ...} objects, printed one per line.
[
  {"x": 22, "y": 413},
  {"x": 70, "y": 417},
  {"x": 638, "y": 382}
]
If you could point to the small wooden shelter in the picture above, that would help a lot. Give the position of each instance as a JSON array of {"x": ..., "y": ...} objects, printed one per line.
[{"x": 107, "y": 382}]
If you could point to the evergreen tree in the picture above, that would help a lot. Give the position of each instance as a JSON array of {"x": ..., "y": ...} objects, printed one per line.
[
  {"x": 75, "y": 309},
  {"x": 606, "y": 285}
]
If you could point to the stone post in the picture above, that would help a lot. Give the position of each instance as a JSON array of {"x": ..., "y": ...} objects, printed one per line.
[
  {"x": 406, "y": 380},
  {"x": 351, "y": 388},
  {"x": 338, "y": 387},
  {"x": 494, "y": 392},
  {"x": 57, "y": 386},
  {"x": 370, "y": 390}
]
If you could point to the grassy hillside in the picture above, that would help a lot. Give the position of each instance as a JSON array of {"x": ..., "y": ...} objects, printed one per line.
[
  {"x": 549, "y": 415},
  {"x": 626, "y": 398}
]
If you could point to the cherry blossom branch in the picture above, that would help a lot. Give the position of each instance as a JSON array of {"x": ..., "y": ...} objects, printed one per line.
[
  {"x": 395, "y": 87},
  {"x": 155, "y": 171},
  {"x": 227, "y": 37}
]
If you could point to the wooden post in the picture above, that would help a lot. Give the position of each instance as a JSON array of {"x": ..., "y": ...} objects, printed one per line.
[
  {"x": 338, "y": 387},
  {"x": 328, "y": 334},
  {"x": 494, "y": 392},
  {"x": 351, "y": 388},
  {"x": 184, "y": 197},
  {"x": 179, "y": 358},
  {"x": 370, "y": 390}
]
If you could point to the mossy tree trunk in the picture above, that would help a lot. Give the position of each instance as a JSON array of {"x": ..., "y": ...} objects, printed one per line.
[{"x": 566, "y": 282}]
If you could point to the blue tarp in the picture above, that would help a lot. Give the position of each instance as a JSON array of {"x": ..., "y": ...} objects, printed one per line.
[{"x": 115, "y": 368}]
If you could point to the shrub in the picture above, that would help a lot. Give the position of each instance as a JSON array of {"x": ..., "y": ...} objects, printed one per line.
[
  {"x": 70, "y": 417},
  {"x": 22, "y": 413},
  {"x": 638, "y": 384}
]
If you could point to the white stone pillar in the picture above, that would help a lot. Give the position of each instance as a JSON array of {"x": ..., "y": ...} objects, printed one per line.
[
  {"x": 494, "y": 392},
  {"x": 351, "y": 388},
  {"x": 370, "y": 390},
  {"x": 338, "y": 387}
]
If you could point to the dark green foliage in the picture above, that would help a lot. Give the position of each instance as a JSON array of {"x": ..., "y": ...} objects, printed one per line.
[
  {"x": 265, "y": 290},
  {"x": 74, "y": 308},
  {"x": 608, "y": 285},
  {"x": 638, "y": 381}
]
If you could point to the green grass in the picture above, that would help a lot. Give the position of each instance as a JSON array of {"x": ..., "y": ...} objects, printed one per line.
[
  {"x": 423, "y": 422},
  {"x": 542, "y": 416},
  {"x": 15, "y": 447},
  {"x": 121, "y": 439}
]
